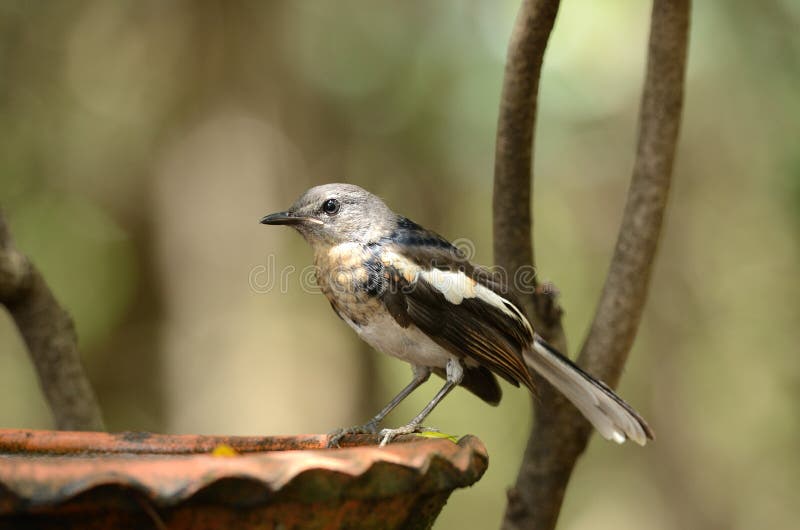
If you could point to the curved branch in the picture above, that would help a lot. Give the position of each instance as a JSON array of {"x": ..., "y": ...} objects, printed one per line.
[
  {"x": 560, "y": 433},
  {"x": 625, "y": 290},
  {"x": 49, "y": 333},
  {"x": 513, "y": 242}
]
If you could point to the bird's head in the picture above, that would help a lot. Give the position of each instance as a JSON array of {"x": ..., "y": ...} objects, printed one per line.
[{"x": 336, "y": 213}]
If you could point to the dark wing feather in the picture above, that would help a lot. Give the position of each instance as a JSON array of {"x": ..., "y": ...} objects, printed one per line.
[
  {"x": 429, "y": 250},
  {"x": 473, "y": 329}
]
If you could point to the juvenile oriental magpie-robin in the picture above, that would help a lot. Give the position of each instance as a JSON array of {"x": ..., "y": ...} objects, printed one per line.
[{"x": 410, "y": 293}]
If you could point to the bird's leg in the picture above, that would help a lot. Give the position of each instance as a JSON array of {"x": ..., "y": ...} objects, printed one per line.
[
  {"x": 455, "y": 373},
  {"x": 421, "y": 374}
]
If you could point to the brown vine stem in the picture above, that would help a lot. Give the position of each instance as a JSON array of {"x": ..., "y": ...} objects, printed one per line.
[
  {"x": 560, "y": 433},
  {"x": 49, "y": 334}
]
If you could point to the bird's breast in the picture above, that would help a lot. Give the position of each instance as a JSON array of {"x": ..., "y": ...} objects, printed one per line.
[
  {"x": 354, "y": 278},
  {"x": 350, "y": 275}
]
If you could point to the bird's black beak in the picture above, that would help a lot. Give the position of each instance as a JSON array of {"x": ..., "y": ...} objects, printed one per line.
[{"x": 286, "y": 218}]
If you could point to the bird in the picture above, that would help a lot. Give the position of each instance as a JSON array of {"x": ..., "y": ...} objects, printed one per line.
[{"x": 410, "y": 293}]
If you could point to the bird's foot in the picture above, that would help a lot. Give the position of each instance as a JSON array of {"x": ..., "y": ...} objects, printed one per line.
[
  {"x": 334, "y": 437},
  {"x": 387, "y": 435}
]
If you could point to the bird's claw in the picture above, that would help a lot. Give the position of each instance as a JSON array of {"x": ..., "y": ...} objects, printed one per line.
[
  {"x": 335, "y": 436},
  {"x": 387, "y": 435}
]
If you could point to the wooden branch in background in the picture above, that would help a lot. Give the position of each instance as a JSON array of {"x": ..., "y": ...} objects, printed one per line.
[
  {"x": 512, "y": 220},
  {"x": 49, "y": 333},
  {"x": 560, "y": 433},
  {"x": 625, "y": 290}
]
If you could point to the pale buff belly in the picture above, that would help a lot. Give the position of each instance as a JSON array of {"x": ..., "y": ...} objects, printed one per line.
[{"x": 409, "y": 344}]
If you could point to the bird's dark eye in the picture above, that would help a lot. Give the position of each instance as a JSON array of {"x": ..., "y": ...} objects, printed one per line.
[{"x": 330, "y": 206}]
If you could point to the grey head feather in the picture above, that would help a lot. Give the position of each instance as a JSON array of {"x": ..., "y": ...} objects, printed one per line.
[{"x": 361, "y": 218}]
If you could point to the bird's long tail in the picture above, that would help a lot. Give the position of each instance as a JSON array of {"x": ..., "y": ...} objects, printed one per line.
[{"x": 611, "y": 416}]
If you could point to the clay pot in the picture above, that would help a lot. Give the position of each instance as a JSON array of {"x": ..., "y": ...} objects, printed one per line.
[{"x": 141, "y": 480}]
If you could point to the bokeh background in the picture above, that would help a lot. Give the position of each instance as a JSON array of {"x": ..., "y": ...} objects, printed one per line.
[{"x": 141, "y": 141}]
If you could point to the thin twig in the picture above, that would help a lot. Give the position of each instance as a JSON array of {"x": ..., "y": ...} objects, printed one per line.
[
  {"x": 49, "y": 334},
  {"x": 560, "y": 433}
]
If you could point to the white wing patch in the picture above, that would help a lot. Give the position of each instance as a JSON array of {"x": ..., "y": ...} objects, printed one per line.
[
  {"x": 456, "y": 286},
  {"x": 491, "y": 297}
]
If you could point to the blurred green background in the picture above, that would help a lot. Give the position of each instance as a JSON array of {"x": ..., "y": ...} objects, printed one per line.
[{"x": 141, "y": 141}]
